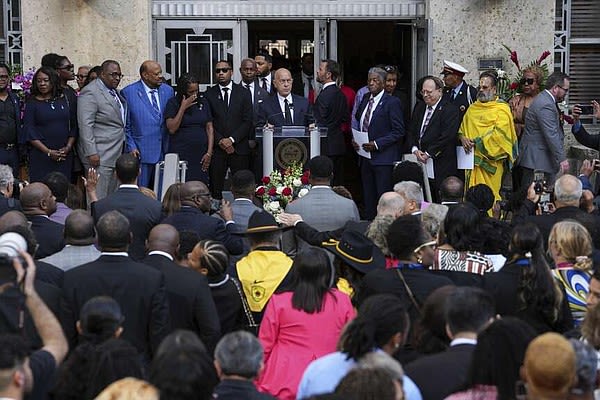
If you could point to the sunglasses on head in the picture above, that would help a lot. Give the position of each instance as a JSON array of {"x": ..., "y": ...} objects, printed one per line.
[{"x": 528, "y": 81}]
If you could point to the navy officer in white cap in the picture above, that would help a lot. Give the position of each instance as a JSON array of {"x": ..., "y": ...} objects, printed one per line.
[{"x": 457, "y": 91}]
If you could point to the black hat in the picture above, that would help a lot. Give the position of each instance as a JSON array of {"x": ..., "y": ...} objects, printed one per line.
[
  {"x": 356, "y": 250},
  {"x": 262, "y": 221}
]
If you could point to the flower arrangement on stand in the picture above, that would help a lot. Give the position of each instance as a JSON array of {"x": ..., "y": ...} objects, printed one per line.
[
  {"x": 282, "y": 186},
  {"x": 21, "y": 81},
  {"x": 507, "y": 90}
]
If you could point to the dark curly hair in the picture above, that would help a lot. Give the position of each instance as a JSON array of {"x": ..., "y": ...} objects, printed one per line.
[
  {"x": 462, "y": 228},
  {"x": 183, "y": 83},
  {"x": 54, "y": 82}
]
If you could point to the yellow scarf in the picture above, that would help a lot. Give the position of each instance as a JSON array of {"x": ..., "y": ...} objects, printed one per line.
[{"x": 261, "y": 272}]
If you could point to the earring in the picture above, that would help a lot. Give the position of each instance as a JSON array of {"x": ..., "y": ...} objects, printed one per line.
[{"x": 420, "y": 259}]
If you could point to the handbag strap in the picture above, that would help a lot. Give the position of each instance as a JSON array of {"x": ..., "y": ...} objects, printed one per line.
[
  {"x": 249, "y": 316},
  {"x": 409, "y": 291}
]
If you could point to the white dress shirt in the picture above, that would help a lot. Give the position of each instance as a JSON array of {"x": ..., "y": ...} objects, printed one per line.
[{"x": 282, "y": 105}]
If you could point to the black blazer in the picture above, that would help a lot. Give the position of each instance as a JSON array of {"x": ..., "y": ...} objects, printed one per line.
[
  {"x": 48, "y": 234},
  {"x": 190, "y": 303},
  {"x": 448, "y": 370},
  {"x": 331, "y": 111},
  {"x": 142, "y": 212},
  {"x": 206, "y": 227},
  {"x": 439, "y": 139},
  {"x": 583, "y": 137},
  {"x": 139, "y": 290},
  {"x": 270, "y": 111},
  {"x": 462, "y": 100},
  {"x": 229, "y": 304},
  {"x": 233, "y": 121}
]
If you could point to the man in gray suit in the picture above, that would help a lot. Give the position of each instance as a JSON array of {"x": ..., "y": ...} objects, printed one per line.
[
  {"x": 101, "y": 114},
  {"x": 321, "y": 207},
  {"x": 541, "y": 146},
  {"x": 243, "y": 187},
  {"x": 80, "y": 236}
]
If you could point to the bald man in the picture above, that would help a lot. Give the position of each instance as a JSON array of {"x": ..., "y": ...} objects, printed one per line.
[
  {"x": 193, "y": 216},
  {"x": 190, "y": 301},
  {"x": 38, "y": 204},
  {"x": 285, "y": 108},
  {"x": 145, "y": 129}
]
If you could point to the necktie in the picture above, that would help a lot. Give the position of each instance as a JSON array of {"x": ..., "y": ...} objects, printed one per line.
[
  {"x": 427, "y": 118},
  {"x": 264, "y": 84},
  {"x": 288, "y": 113},
  {"x": 247, "y": 85},
  {"x": 454, "y": 94},
  {"x": 113, "y": 93},
  {"x": 154, "y": 101},
  {"x": 311, "y": 90},
  {"x": 226, "y": 97},
  {"x": 365, "y": 124}
]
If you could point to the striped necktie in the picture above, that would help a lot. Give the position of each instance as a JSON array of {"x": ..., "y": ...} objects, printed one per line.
[
  {"x": 154, "y": 102},
  {"x": 366, "y": 119}
]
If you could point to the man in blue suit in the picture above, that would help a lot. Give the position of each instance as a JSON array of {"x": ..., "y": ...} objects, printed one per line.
[
  {"x": 285, "y": 108},
  {"x": 379, "y": 114},
  {"x": 145, "y": 130}
]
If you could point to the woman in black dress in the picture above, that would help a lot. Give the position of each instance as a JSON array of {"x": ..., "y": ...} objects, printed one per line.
[
  {"x": 50, "y": 125},
  {"x": 189, "y": 122}
]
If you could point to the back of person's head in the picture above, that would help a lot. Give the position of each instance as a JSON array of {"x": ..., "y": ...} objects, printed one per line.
[
  {"x": 404, "y": 235},
  {"x": 113, "y": 231},
  {"x": 378, "y": 230},
  {"x": 549, "y": 369},
  {"x": 499, "y": 354},
  {"x": 407, "y": 171},
  {"x": 321, "y": 168},
  {"x": 22, "y": 229},
  {"x": 171, "y": 201},
  {"x": 129, "y": 389},
  {"x": 6, "y": 176},
  {"x": 383, "y": 361},
  {"x": 390, "y": 203},
  {"x": 311, "y": 279},
  {"x": 79, "y": 228},
  {"x": 209, "y": 257},
  {"x": 573, "y": 242},
  {"x": 590, "y": 328},
  {"x": 50, "y": 60},
  {"x": 100, "y": 319},
  {"x": 430, "y": 331},
  {"x": 462, "y": 227},
  {"x": 380, "y": 318},
  {"x": 182, "y": 369},
  {"x": 58, "y": 185},
  {"x": 411, "y": 191},
  {"x": 586, "y": 359},
  {"x": 13, "y": 355},
  {"x": 187, "y": 242},
  {"x": 127, "y": 168},
  {"x": 367, "y": 384},
  {"x": 243, "y": 184},
  {"x": 239, "y": 354},
  {"x": 481, "y": 196},
  {"x": 452, "y": 189},
  {"x": 469, "y": 309},
  {"x": 568, "y": 190},
  {"x": 433, "y": 217}
]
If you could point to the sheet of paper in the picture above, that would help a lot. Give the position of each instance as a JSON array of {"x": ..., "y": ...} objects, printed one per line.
[
  {"x": 429, "y": 167},
  {"x": 361, "y": 138},
  {"x": 464, "y": 160},
  {"x": 498, "y": 260}
]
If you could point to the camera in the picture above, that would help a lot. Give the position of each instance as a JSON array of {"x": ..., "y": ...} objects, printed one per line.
[
  {"x": 10, "y": 244},
  {"x": 586, "y": 110},
  {"x": 539, "y": 179}
]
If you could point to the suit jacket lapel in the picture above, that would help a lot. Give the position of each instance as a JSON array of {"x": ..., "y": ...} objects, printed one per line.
[
  {"x": 379, "y": 107},
  {"x": 141, "y": 92}
]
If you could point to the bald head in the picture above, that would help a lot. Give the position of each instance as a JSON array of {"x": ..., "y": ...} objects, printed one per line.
[
  {"x": 37, "y": 199},
  {"x": 151, "y": 74},
  {"x": 567, "y": 191},
  {"x": 390, "y": 203},
  {"x": 452, "y": 189},
  {"x": 163, "y": 237},
  {"x": 283, "y": 82},
  {"x": 12, "y": 218},
  {"x": 195, "y": 194},
  {"x": 79, "y": 228}
]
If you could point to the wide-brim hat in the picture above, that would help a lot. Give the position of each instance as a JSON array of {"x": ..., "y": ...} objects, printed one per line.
[
  {"x": 453, "y": 68},
  {"x": 262, "y": 222},
  {"x": 356, "y": 250}
]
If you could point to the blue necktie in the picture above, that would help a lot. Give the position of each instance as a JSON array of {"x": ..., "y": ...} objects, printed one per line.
[{"x": 154, "y": 101}]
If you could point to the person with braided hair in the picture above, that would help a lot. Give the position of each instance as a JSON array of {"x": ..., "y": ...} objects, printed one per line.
[
  {"x": 381, "y": 324},
  {"x": 524, "y": 287}
]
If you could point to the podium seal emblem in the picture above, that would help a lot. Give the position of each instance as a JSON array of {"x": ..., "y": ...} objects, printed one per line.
[{"x": 290, "y": 150}]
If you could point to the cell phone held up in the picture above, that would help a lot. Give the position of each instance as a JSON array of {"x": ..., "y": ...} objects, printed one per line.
[{"x": 586, "y": 109}]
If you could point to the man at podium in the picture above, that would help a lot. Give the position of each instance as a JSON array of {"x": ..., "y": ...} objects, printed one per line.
[{"x": 285, "y": 108}]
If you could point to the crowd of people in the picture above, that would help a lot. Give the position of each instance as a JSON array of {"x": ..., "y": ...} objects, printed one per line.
[{"x": 117, "y": 294}]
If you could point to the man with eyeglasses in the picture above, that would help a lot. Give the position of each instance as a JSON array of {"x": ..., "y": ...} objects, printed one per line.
[
  {"x": 82, "y": 74},
  {"x": 232, "y": 111},
  {"x": 542, "y": 144},
  {"x": 10, "y": 122},
  {"x": 457, "y": 91},
  {"x": 101, "y": 113}
]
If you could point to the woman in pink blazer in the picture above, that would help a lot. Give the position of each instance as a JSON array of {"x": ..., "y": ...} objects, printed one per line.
[{"x": 302, "y": 324}]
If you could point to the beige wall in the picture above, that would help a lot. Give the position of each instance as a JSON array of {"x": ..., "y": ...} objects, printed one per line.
[
  {"x": 88, "y": 32},
  {"x": 465, "y": 30}
]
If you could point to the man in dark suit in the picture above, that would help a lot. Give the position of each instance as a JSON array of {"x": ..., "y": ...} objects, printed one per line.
[
  {"x": 331, "y": 112},
  {"x": 243, "y": 187},
  {"x": 567, "y": 194},
  {"x": 458, "y": 92},
  {"x": 138, "y": 288},
  {"x": 38, "y": 204},
  {"x": 284, "y": 108},
  {"x": 468, "y": 311},
  {"x": 231, "y": 107},
  {"x": 432, "y": 132},
  {"x": 380, "y": 115},
  {"x": 10, "y": 113},
  {"x": 141, "y": 211},
  {"x": 264, "y": 75},
  {"x": 190, "y": 302},
  {"x": 304, "y": 81},
  {"x": 195, "y": 204}
]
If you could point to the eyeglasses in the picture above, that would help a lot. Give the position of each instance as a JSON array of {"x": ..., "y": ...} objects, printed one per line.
[
  {"x": 81, "y": 76},
  {"x": 428, "y": 92},
  {"x": 202, "y": 195},
  {"x": 224, "y": 70},
  {"x": 426, "y": 244},
  {"x": 115, "y": 75},
  {"x": 528, "y": 81},
  {"x": 566, "y": 90},
  {"x": 70, "y": 66},
  {"x": 4, "y": 77}
]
